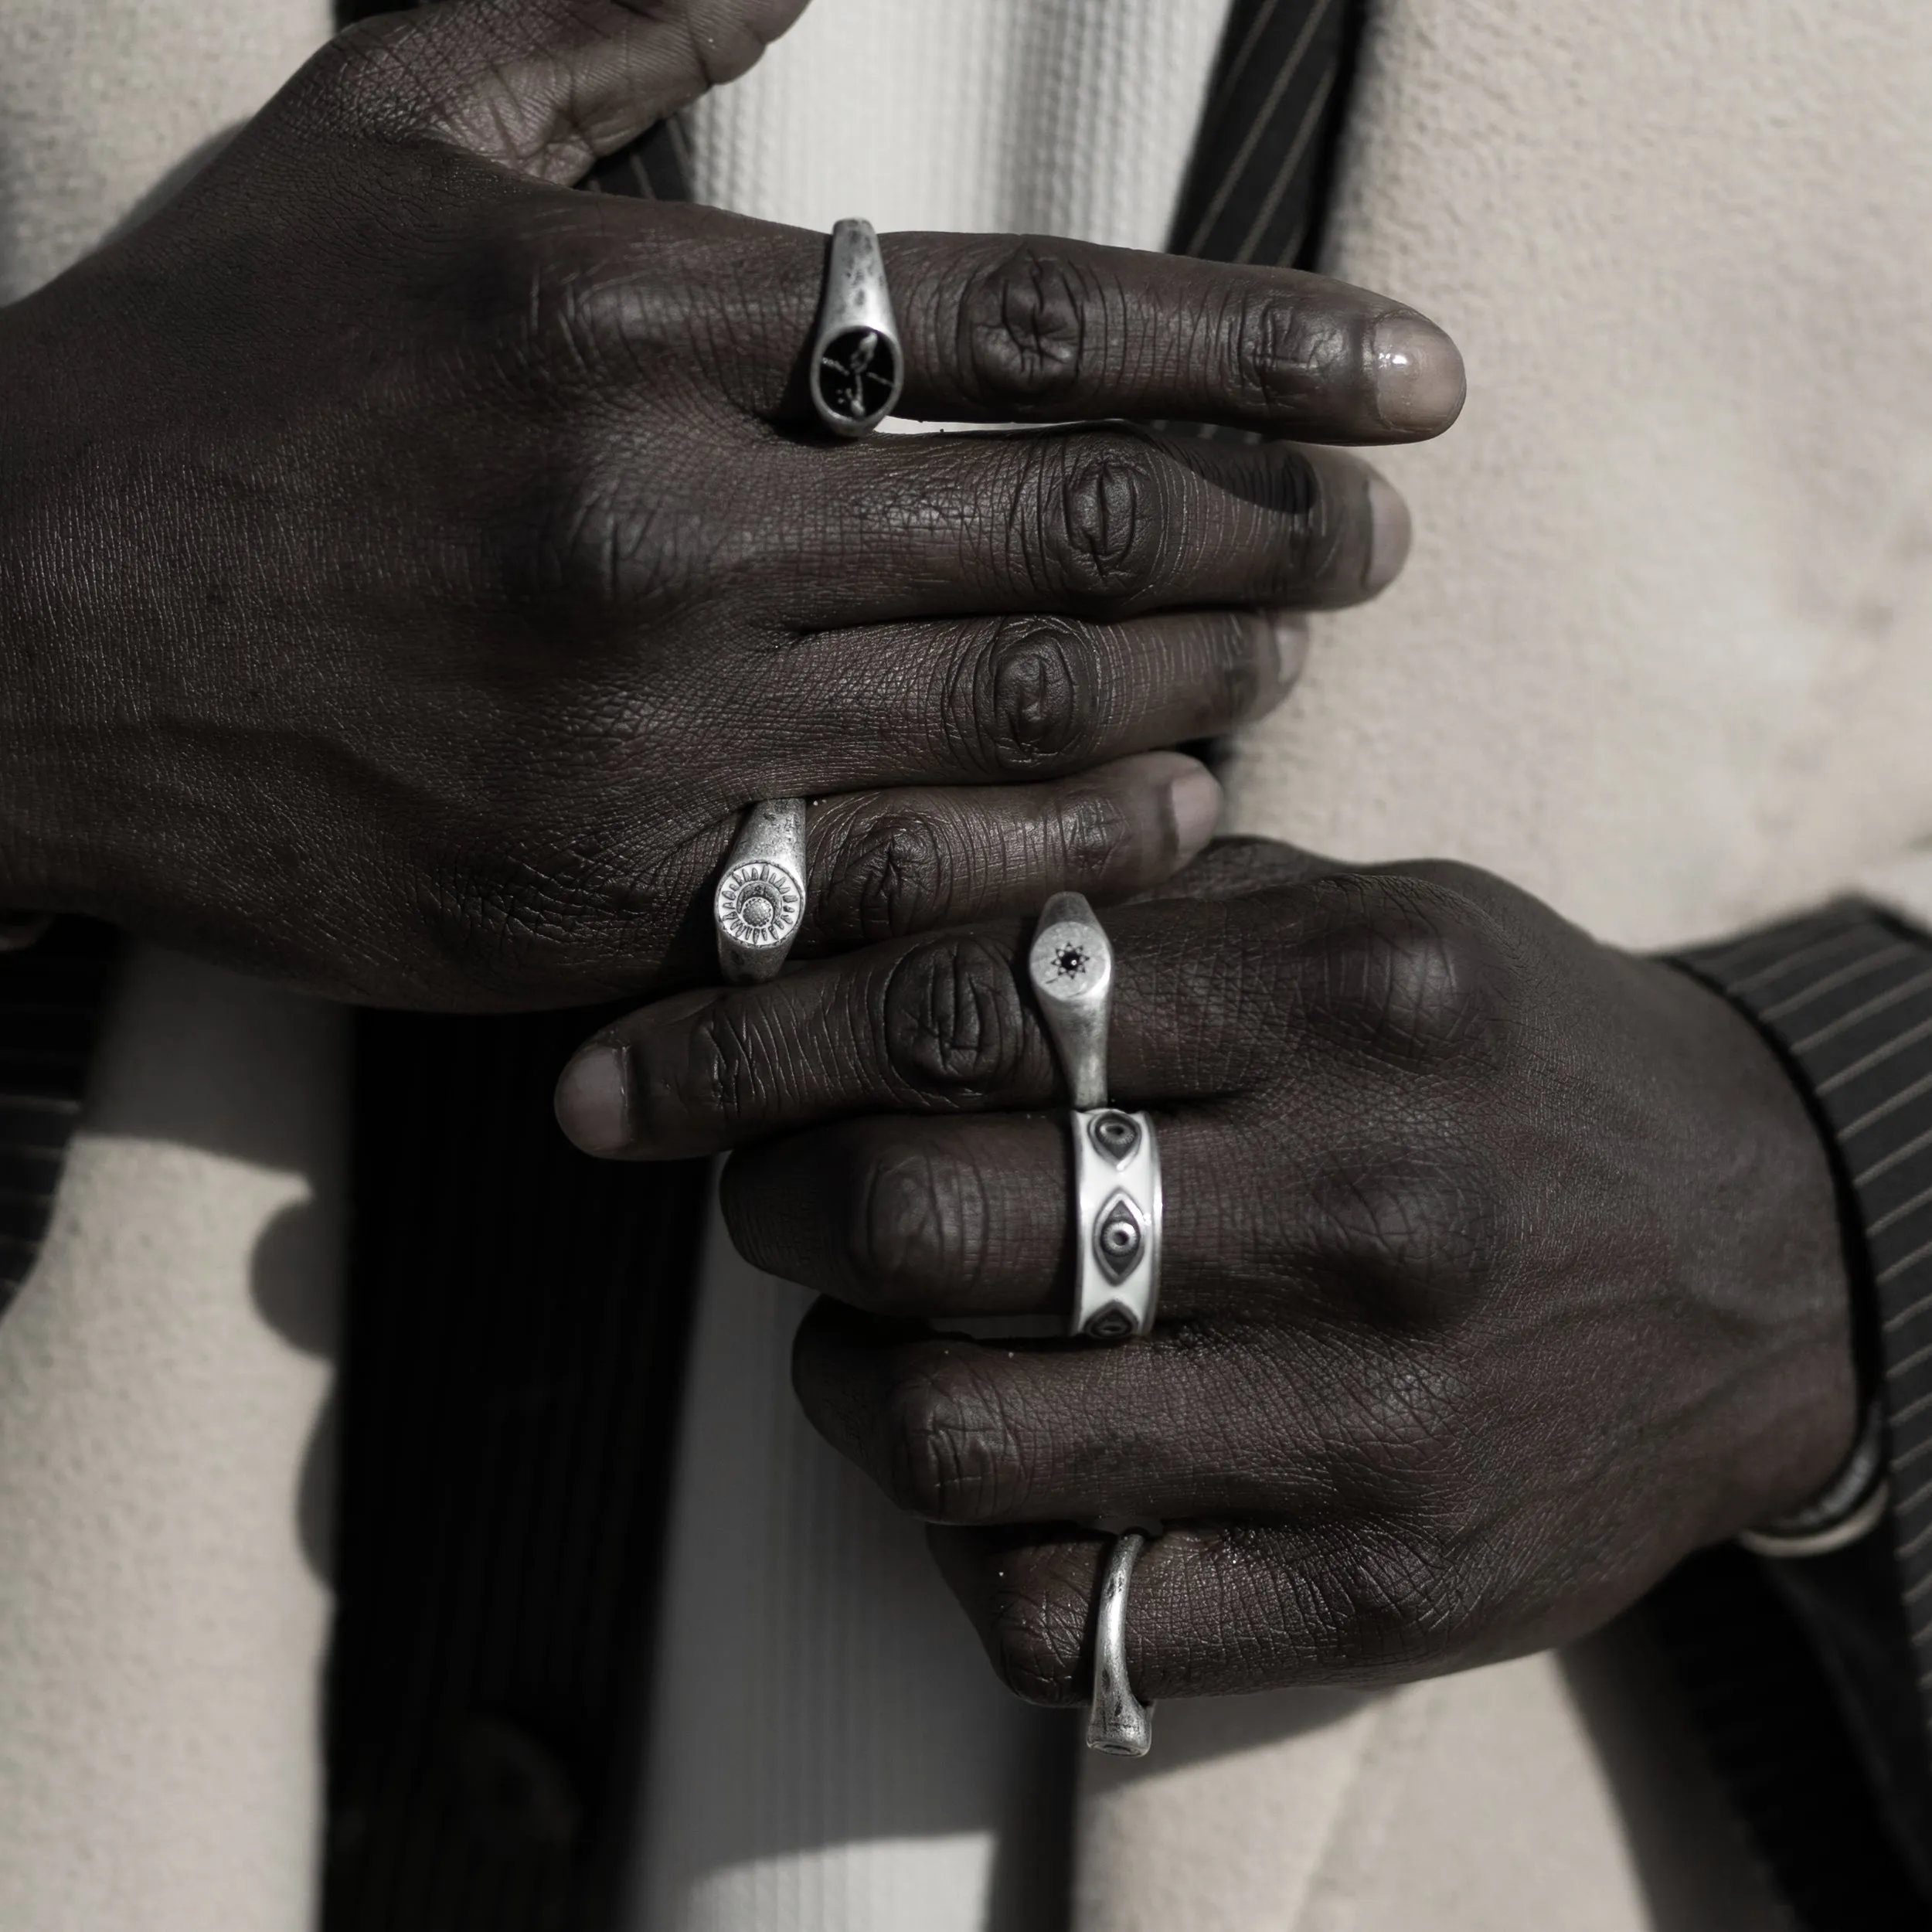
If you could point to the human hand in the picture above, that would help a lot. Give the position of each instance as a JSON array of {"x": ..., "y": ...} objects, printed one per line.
[
  {"x": 1501, "y": 1269},
  {"x": 409, "y": 569}
]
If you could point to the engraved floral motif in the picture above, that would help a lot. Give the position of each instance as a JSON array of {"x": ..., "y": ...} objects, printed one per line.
[{"x": 759, "y": 904}]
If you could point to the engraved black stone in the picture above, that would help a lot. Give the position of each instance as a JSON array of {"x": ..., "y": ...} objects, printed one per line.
[
  {"x": 1118, "y": 1239},
  {"x": 857, "y": 371},
  {"x": 1112, "y": 1324},
  {"x": 1117, "y": 1136}
]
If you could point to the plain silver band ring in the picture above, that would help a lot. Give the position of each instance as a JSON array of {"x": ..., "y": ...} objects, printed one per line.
[
  {"x": 760, "y": 903},
  {"x": 857, "y": 369},
  {"x": 1116, "y": 1722}
]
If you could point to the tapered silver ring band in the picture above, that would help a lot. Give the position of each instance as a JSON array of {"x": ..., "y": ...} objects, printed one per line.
[
  {"x": 857, "y": 367},
  {"x": 1118, "y": 1722},
  {"x": 760, "y": 903},
  {"x": 1116, "y": 1161}
]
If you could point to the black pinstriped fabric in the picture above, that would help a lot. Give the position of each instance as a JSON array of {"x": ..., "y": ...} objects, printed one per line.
[
  {"x": 1256, "y": 186},
  {"x": 51, "y": 998},
  {"x": 1848, "y": 996},
  {"x": 1845, "y": 996}
]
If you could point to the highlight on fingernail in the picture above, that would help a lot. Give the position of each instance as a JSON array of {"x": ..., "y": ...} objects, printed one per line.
[
  {"x": 592, "y": 1100},
  {"x": 1419, "y": 382}
]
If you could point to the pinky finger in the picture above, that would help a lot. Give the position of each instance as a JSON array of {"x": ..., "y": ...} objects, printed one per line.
[{"x": 1215, "y": 1609}]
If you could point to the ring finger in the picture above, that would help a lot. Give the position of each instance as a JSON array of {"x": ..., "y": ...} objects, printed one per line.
[{"x": 967, "y": 701}]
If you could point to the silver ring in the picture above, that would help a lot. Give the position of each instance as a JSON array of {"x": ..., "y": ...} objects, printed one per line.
[
  {"x": 858, "y": 370},
  {"x": 1116, "y": 1160},
  {"x": 1116, "y": 1721},
  {"x": 760, "y": 904}
]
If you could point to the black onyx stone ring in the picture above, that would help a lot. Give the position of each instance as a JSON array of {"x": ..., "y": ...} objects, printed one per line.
[
  {"x": 857, "y": 369},
  {"x": 1116, "y": 1164}
]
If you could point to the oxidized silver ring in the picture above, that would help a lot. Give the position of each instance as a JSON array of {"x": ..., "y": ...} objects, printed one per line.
[
  {"x": 1116, "y": 1722},
  {"x": 857, "y": 367},
  {"x": 1116, "y": 1162},
  {"x": 760, "y": 904}
]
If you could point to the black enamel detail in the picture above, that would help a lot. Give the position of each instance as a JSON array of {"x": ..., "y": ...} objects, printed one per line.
[
  {"x": 858, "y": 371},
  {"x": 1112, "y": 1324},
  {"x": 1119, "y": 1238},
  {"x": 1117, "y": 1136}
]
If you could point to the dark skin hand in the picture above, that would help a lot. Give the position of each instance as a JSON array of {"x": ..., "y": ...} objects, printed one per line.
[
  {"x": 410, "y": 568},
  {"x": 1501, "y": 1268}
]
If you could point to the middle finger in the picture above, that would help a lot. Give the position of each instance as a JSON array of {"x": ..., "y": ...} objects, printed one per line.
[{"x": 1095, "y": 522}]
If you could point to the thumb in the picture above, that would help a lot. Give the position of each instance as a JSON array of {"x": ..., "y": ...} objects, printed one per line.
[{"x": 545, "y": 86}]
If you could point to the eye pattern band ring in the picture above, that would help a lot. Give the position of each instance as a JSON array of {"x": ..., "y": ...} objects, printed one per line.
[
  {"x": 857, "y": 369},
  {"x": 760, "y": 903}
]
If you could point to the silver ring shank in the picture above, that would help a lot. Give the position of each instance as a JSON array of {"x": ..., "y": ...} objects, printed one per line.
[{"x": 1116, "y": 1722}]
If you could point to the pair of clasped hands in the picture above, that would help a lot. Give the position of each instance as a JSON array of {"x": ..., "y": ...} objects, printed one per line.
[{"x": 412, "y": 568}]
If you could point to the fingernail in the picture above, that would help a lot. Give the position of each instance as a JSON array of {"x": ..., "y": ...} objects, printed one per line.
[
  {"x": 591, "y": 1104},
  {"x": 1419, "y": 382},
  {"x": 1290, "y": 632},
  {"x": 1388, "y": 534},
  {"x": 1194, "y": 801}
]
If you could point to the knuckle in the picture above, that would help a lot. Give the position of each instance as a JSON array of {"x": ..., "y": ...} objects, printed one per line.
[
  {"x": 513, "y": 920},
  {"x": 1022, "y": 326},
  {"x": 1097, "y": 529},
  {"x": 1411, "y": 1235},
  {"x": 1030, "y": 696},
  {"x": 891, "y": 880},
  {"x": 1396, "y": 1598},
  {"x": 1413, "y": 970},
  {"x": 582, "y": 561},
  {"x": 381, "y": 74},
  {"x": 954, "y": 1021},
  {"x": 1287, "y": 351},
  {"x": 1089, "y": 831},
  {"x": 951, "y": 1454},
  {"x": 915, "y": 1221}
]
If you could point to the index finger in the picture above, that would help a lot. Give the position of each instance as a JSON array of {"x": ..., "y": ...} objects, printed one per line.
[
  {"x": 1007, "y": 328},
  {"x": 941, "y": 1025},
  {"x": 1027, "y": 329}
]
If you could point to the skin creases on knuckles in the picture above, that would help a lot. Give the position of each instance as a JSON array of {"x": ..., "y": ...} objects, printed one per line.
[
  {"x": 530, "y": 457},
  {"x": 1528, "y": 1365}
]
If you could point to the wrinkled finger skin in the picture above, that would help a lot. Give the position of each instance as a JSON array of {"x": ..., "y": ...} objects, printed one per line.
[
  {"x": 410, "y": 566},
  {"x": 1502, "y": 1268}
]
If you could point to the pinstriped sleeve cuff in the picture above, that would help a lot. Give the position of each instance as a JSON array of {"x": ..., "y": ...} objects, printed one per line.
[{"x": 1845, "y": 995}]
